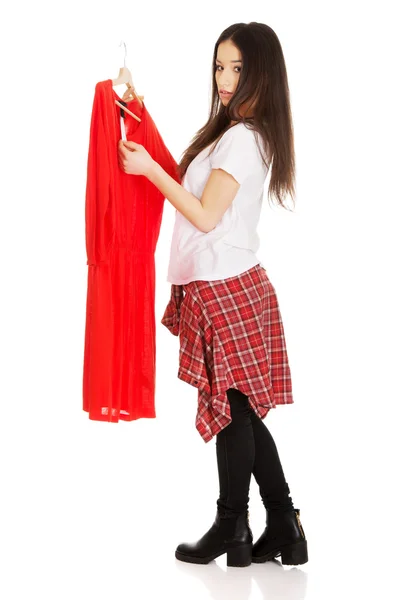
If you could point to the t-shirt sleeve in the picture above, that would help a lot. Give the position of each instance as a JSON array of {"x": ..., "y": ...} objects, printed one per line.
[{"x": 237, "y": 153}]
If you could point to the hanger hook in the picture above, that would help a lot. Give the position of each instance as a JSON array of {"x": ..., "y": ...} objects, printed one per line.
[{"x": 122, "y": 42}]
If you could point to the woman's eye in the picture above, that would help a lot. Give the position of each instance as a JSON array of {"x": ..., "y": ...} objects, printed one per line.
[{"x": 217, "y": 66}]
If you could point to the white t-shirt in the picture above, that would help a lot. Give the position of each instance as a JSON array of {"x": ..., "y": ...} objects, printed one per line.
[{"x": 230, "y": 248}]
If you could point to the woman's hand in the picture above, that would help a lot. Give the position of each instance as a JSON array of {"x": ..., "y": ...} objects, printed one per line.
[{"x": 133, "y": 158}]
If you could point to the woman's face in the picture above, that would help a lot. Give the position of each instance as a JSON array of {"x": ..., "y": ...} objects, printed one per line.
[{"x": 228, "y": 65}]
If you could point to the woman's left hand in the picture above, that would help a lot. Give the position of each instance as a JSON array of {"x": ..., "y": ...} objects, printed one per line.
[{"x": 133, "y": 158}]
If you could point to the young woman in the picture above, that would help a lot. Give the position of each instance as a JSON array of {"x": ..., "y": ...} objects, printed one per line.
[{"x": 222, "y": 304}]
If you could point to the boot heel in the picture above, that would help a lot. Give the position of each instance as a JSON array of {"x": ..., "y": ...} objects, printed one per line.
[
  {"x": 240, "y": 556},
  {"x": 294, "y": 554}
]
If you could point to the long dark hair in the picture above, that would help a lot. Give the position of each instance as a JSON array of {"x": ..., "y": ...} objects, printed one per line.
[{"x": 263, "y": 78}]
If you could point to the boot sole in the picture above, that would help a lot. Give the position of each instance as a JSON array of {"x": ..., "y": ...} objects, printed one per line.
[
  {"x": 292, "y": 554},
  {"x": 236, "y": 557}
]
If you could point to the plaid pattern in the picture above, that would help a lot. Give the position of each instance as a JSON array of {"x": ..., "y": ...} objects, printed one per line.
[{"x": 231, "y": 335}]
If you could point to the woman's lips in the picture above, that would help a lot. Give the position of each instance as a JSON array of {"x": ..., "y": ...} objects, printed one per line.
[{"x": 225, "y": 93}]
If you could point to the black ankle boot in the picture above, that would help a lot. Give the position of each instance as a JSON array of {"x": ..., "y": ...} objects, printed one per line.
[
  {"x": 284, "y": 536},
  {"x": 229, "y": 534}
]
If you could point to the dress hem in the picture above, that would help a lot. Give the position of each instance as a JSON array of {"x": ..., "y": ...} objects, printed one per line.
[{"x": 99, "y": 416}]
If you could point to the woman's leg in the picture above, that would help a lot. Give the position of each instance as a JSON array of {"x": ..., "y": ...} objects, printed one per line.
[
  {"x": 267, "y": 468},
  {"x": 235, "y": 457},
  {"x": 230, "y": 531},
  {"x": 283, "y": 535}
]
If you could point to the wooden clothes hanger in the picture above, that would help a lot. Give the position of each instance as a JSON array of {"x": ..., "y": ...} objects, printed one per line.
[{"x": 125, "y": 76}]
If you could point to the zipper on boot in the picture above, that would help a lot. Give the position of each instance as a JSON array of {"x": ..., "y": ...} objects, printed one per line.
[{"x": 297, "y": 512}]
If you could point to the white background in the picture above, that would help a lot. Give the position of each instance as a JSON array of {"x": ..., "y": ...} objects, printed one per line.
[{"x": 93, "y": 510}]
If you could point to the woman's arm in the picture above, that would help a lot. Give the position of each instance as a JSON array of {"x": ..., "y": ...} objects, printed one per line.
[
  {"x": 218, "y": 194},
  {"x": 185, "y": 202},
  {"x": 204, "y": 213}
]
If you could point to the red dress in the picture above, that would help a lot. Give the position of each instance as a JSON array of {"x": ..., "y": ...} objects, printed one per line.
[{"x": 123, "y": 216}]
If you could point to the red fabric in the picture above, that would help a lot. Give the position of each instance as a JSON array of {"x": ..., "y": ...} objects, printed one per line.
[
  {"x": 231, "y": 335},
  {"x": 123, "y": 216}
]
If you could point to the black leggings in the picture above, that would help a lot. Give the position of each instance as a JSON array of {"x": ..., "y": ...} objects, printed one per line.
[{"x": 245, "y": 446}]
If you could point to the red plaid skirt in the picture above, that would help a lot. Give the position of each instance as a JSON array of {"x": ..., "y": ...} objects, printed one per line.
[{"x": 231, "y": 335}]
